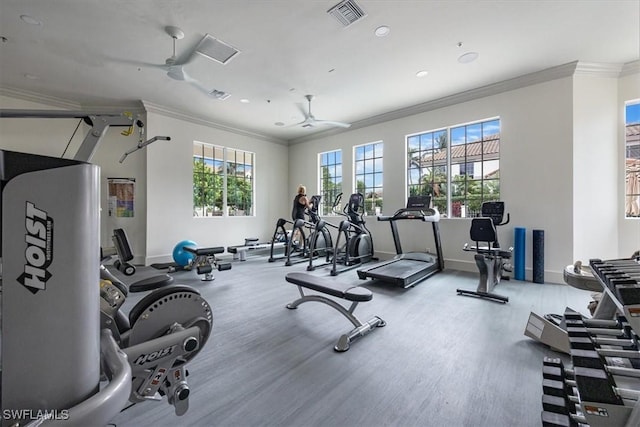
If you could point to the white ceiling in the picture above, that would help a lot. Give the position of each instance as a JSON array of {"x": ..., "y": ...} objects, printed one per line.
[{"x": 90, "y": 52}]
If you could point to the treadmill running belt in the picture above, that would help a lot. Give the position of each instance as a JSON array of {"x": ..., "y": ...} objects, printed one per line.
[{"x": 402, "y": 272}]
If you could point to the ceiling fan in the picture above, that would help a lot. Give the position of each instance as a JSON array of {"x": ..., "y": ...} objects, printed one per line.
[
  {"x": 174, "y": 65},
  {"x": 310, "y": 121}
]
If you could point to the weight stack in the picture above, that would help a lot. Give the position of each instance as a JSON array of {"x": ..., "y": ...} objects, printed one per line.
[
  {"x": 538, "y": 256},
  {"x": 519, "y": 253}
]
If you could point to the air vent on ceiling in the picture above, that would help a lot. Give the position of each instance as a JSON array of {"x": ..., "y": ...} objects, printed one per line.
[
  {"x": 347, "y": 12},
  {"x": 219, "y": 94},
  {"x": 215, "y": 49}
]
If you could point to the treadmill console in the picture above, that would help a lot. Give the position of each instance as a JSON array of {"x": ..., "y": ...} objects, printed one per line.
[{"x": 418, "y": 202}]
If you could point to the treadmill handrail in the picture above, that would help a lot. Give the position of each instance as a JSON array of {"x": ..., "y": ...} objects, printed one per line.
[{"x": 426, "y": 215}]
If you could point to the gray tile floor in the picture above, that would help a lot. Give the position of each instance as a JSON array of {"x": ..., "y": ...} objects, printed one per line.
[{"x": 442, "y": 359}]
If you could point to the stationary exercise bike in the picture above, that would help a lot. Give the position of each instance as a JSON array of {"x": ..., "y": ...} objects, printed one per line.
[
  {"x": 492, "y": 261},
  {"x": 354, "y": 245},
  {"x": 164, "y": 331}
]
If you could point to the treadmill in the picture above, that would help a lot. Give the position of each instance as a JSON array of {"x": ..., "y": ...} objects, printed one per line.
[{"x": 407, "y": 269}]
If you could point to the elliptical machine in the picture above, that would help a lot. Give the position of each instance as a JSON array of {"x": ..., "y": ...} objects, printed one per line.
[
  {"x": 357, "y": 246},
  {"x": 492, "y": 261},
  {"x": 322, "y": 243},
  {"x": 312, "y": 238}
]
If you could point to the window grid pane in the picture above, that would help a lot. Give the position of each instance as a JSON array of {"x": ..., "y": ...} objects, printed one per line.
[
  {"x": 474, "y": 177},
  {"x": 368, "y": 175},
  {"x": 330, "y": 179},
  {"x": 210, "y": 195},
  {"x": 632, "y": 160}
]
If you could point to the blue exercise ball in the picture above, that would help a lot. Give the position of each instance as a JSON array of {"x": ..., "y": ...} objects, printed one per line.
[{"x": 182, "y": 257}]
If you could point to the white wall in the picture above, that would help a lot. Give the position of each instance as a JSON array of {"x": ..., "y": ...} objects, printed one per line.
[
  {"x": 595, "y": 163},
  {"x": 535, "y": 163},
  {"x": 170, "y": 189},
  {"x": 556, "y": 137}
]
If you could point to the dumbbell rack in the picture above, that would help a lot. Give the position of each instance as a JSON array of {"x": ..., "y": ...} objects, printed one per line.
[{"x": 603, "y": 387}]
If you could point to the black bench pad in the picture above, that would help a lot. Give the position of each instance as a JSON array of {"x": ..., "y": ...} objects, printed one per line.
[
  {"x": 336, "y": 289},
  {"x": 204, "y": 251},
  {"x": 151, "y": 283}
]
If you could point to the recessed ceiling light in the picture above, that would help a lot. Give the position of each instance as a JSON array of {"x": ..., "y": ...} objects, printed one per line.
[
  {"x": 279, "y": 124},
  {"x": 30, "y": 20},
  {"x": 467, "y": 57},
  {"x": 382, "y": 31},
  {"x": 245, "y": 101},
  {"x": 422, "y": 73}
]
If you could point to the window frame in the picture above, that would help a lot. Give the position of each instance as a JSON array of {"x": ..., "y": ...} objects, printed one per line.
[
  {"x": 631, "y": 143},
  {"x": 329, "y": 195},
  {"x": 223, "y": 196},
  {"x": 374, "y": 204},
  {"x": 472, "y": 162}
]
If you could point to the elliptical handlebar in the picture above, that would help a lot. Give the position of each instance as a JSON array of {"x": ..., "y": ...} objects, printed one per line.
[
  {"x": 506, "y": 222},
  {"x": 495, "y": 211}
]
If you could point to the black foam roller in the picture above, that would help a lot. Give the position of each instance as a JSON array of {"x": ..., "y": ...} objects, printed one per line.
[{"x": 538, "y": 256}]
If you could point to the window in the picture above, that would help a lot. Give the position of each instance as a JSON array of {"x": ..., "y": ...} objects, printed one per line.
[
  {"x": 427, "y": 167},
  {"x": 330, "y": 179},
  {"x": 368, "y": 175},
  {"x": 460, "y": 175},
  {"x": 222, "y": 181},
  {"x": 632, "y": 160}
]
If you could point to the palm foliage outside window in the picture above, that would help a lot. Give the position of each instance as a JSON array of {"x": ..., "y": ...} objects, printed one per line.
[
  {"x": 459, "y": 167},
  {"x": 368, "y": 175}
]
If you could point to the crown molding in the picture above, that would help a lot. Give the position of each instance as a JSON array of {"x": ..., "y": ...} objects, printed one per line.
[
  {"x": 549, "y": 74},
  {"x": 39, "y": 98},
  {"x": 168, "y": 112},
  {"x": 630, "y": 68},
  {"x": 596, "y": 69},
  {"x": 52, "y": 101}
]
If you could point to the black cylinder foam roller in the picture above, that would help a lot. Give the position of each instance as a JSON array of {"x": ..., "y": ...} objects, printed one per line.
[{"x": 538, "y": 256}]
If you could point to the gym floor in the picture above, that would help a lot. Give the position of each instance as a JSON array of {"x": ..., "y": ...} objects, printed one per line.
[{"x": 442, "y": 359}]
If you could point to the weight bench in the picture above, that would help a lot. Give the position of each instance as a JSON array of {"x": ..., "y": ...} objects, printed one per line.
[
  {"x": 355, "y": 294},
  {"x": 205, "y": 261},
  {"x": 125, "y": 254}
]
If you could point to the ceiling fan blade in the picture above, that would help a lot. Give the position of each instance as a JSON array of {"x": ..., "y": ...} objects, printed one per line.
[
  {"x": 176, "y": 72},
  {"x": 310, "y": 121},
  {"x": 332, "y": 123},
  {"x": 136, "y": 63},
  {"x": 303, "y": 110},
  {"x": 187, "y": 78}
]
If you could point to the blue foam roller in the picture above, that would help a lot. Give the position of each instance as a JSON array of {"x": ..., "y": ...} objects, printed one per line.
[
  {"x": 538, "y": 256},
  {"x": 519, "y": 252}
]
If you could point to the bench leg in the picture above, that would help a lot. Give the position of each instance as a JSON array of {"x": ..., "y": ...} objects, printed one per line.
[
  {"x": 345, "y": 340},
  {"x": 361, "y": 329}
]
